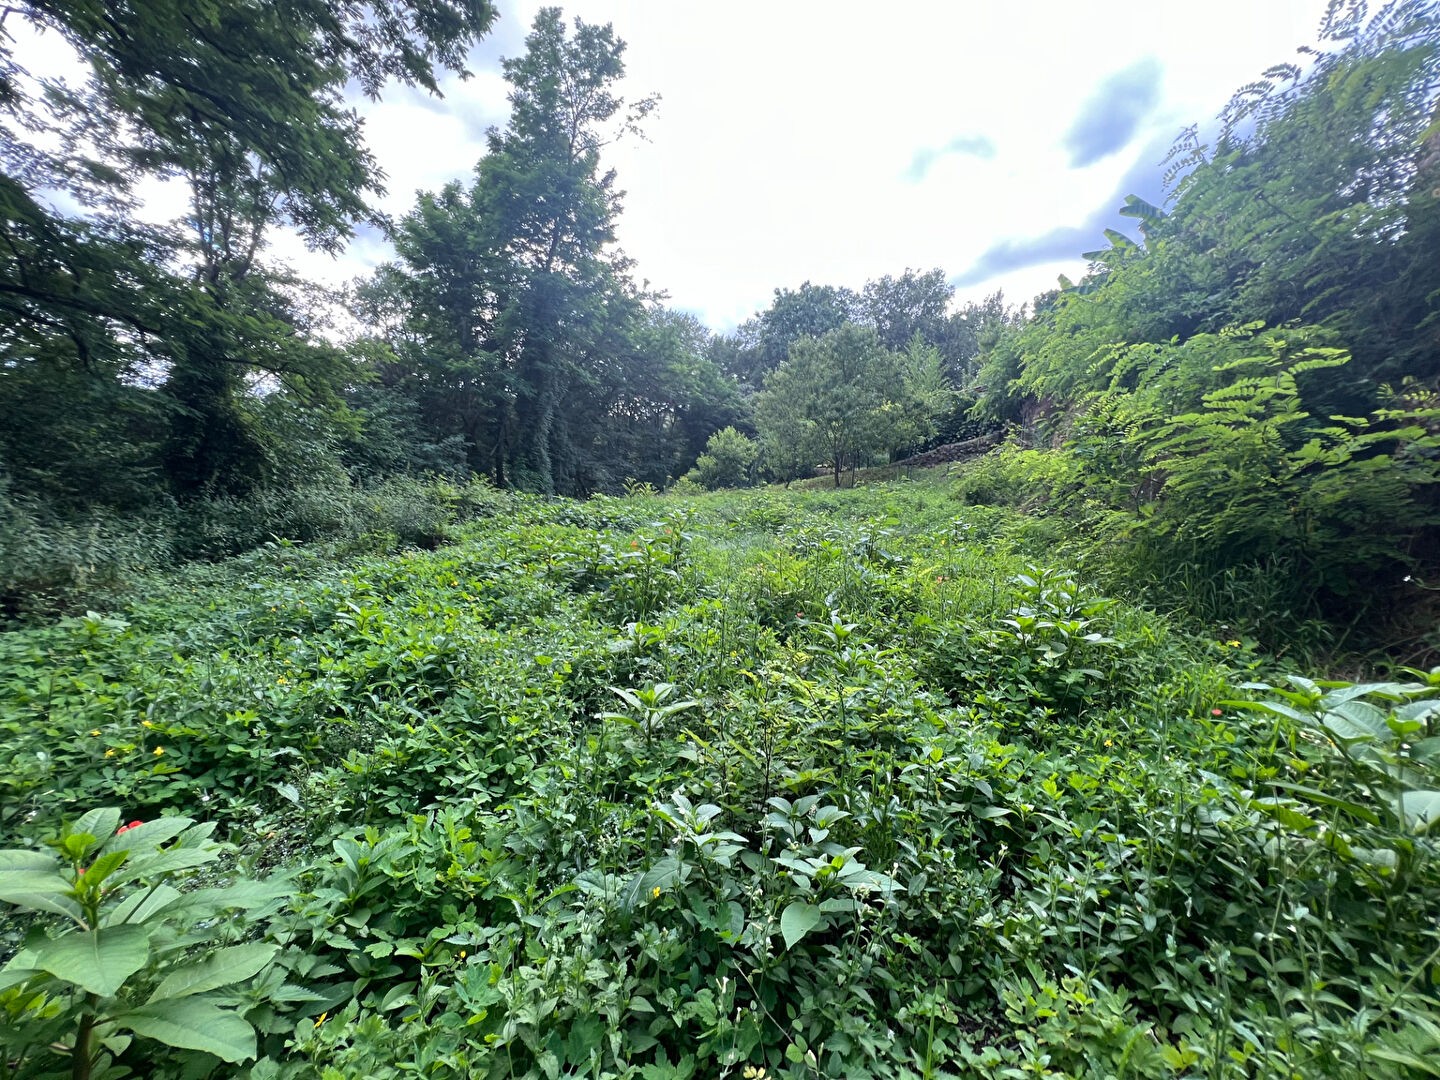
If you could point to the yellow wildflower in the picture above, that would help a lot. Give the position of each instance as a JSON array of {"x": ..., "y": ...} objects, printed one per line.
[
  {"x": 1233, "y": 644},
  {"x": 147, "y": 723},
  {"x": 463, "y": 954},
  {"x": 322, "y": 1017},
  {"x": 1109, "y": 743},
  {"x": 655, "y": 893},
  {"x": 95, "y": 731},
  {"x": 158, "y": 751},
  {"x": 282, "y": 680},
  {"x": 109, "y": 753}
]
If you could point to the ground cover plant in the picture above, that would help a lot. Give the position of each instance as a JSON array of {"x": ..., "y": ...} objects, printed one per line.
[{"x": 855, "y": 783}]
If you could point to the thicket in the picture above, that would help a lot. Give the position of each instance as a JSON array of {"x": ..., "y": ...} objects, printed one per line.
[
  {"x": 1248, "y": 391},
  {"x": 835, "y": 784},
  {"x": 64, "y": 562}
]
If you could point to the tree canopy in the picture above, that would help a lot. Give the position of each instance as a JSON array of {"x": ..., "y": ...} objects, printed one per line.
[{"x": 156, "y": 336}]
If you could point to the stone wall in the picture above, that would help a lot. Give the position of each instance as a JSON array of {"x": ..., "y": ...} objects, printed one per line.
[{"x": 955, "y": 451}]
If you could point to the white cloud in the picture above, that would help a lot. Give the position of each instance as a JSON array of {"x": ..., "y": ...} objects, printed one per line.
[{"x": 781, "y": 147}]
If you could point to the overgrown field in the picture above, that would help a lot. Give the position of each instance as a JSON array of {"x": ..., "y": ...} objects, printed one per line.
[{"x": 818, "y": 784}]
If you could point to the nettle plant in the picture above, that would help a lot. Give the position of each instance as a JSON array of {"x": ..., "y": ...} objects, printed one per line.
[
  {"x": 118, "y": 951},
  {"x": 1055, "y": 616},
  {"x": 650, "y": 708}
]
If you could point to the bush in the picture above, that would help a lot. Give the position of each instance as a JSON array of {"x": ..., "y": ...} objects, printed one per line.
[
  {"x": 728, "y": 461},
  {"x": 50, "y": 562},
  {"x": 1028, "y": 480}
]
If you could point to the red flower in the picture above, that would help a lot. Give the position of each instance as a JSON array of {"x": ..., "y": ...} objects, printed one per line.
[
  {"x": 1217, "y": 712},
  {"x": 127, "y": 828}
]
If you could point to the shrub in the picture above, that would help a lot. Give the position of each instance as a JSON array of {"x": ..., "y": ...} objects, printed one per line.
[{"x": 728, "y": 461}]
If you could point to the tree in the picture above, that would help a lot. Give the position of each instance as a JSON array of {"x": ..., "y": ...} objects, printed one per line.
[
  {"x": 666, "y": 399},
  {"x": 520, "y": 306},
  {"x": 925, "y": 395},
  {"x": 263, "y": 134},
  {"x": 838, "y": 386},
  {"x": 737, "y": 354},
  {"x": 1216, "y": 390},
  {"x": 728, "y": 461},
  {"x": 787, "y": 438},
  {"x": 193, "y": 100},
  {"x": 807, "y": 312},
  {"x": 1312, "y": 207},
  {"x": 899, "y": 308},
  {"x": 548, "y": 210}
]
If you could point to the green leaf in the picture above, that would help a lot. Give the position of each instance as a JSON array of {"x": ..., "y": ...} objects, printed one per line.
[
  {"x": 98, "y": 961},
  {"x": 242, "y": 894},
  {"x": 1419, "y": 810},
  {"x": 193, "y": 1024},
  {"x": 100, "y": 824},
  {"x": 797, "y": 920},
  {"x": 222, "y": 968},
  {"x": 102, "y": 868},
  {"x": 140, "y": 905},
  {"x": 1318, "y": 797},
  {"x": 1410, "y": 1061},
  {"x": 1285, "y": 815},
  {"x": 14, "y": 976},
  {"x": 39, "y": 890},
  {"x": 1278, "y": 708},
  {"x": 150, "y": 834},
  {"x": 1357, "y": 721},
  {"x": 665, "y": 874},
  {"x": 168, "y": 860},
  {"x": 23, "y": 859},
  {"x": 1426, "y": 749}
]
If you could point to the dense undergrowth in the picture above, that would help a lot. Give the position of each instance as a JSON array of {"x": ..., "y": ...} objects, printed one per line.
[
  {"x": 842, "y": 784},
  {"x": 61, "y": 562}
]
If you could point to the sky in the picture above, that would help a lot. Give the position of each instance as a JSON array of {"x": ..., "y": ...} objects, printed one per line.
[{"x": 835, "y": 142}]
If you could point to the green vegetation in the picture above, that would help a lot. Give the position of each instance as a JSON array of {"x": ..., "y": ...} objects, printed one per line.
[
  {"x": 729, "y": 461},
  {"x": 428, "y": 767},
  {"x": 834, "y": 784},
  {"x": 1249, "y": 391}
]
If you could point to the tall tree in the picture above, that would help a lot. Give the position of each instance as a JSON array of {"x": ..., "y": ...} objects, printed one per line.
[
  {"x": 810, "y": 311},
  {"x": 914, "y": 303},
  {"x": 245, "y": 100},
  {"x": 521, "y": 303}
]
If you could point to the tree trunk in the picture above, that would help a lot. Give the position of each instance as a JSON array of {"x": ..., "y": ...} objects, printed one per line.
[{"x": 209, "y": 448}]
